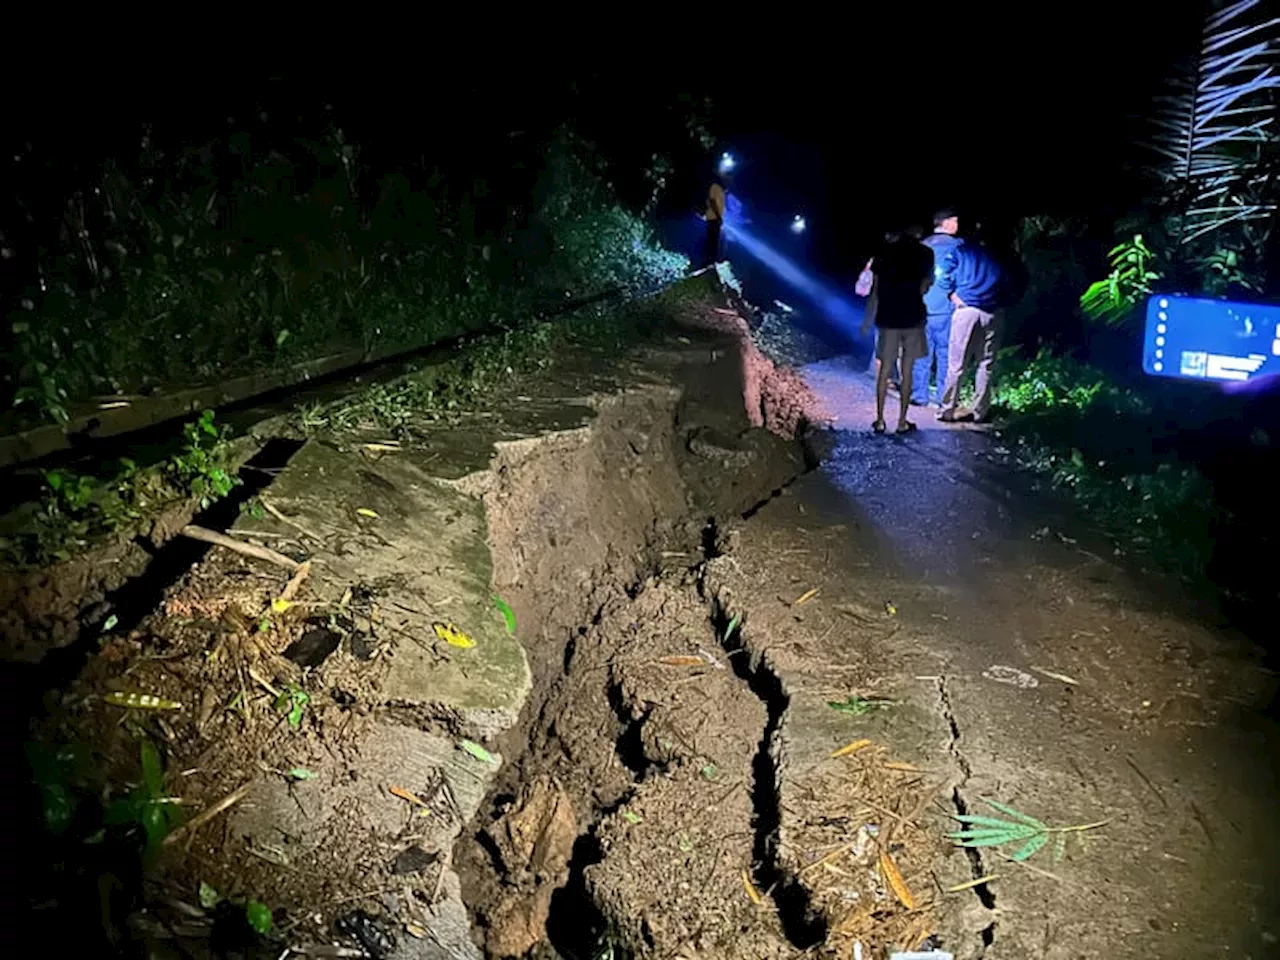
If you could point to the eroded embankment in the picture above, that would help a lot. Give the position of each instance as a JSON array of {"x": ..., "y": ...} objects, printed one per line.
[
  {"x": 636, "y": 809},
  {"x": 338, "y": 726}
]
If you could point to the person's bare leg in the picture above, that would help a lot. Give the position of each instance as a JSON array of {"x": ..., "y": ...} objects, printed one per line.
[
  {"x": 882, "y": 389},
  {"x": 904, "y": 394}
]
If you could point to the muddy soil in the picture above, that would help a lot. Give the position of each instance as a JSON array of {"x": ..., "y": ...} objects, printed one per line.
[{"x": 313, "y": 720}]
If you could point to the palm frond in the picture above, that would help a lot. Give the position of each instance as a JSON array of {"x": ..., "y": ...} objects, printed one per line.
[{"x": 1217, "y": 114}]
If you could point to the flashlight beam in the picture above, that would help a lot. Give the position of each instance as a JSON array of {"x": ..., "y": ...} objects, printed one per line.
[{"x": 839, "y": 310}]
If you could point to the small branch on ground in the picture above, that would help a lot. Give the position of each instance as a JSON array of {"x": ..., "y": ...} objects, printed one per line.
[
  {"x": 239, "y": 546},
  {"x": 272, "y": 509},
  {"x": 204, "y": 816}
]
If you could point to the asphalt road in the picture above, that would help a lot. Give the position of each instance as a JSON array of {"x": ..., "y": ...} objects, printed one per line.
[{"x": 1059, "y": 683}]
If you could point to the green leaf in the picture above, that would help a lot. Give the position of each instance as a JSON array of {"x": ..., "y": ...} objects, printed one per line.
[
  {"x": 1015, "y": 832},
  {"x": 632, "y": 818},
  {"x": 1005, "y": 809},
  {"x": 110, "y": 623},
  {"x": 479, "y": 752},
  {"x": 1018, "y": 816},
  {"x": 508, "y": 614},
  {"x": 152, "y": 772},
  {"x": 155, "y": 825},
  {"x": 259, "y": 916},
  {"x": 208, "y": 896},
  {"x": 1029, "y": 849},
  {"x": 301, "y": 773},
  {"x": 982, "y": 821},
  {"x": 994, "y": 841},
  {"x": 281, "y": 337}
]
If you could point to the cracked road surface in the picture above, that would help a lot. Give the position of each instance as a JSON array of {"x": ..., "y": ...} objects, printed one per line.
[{"x": 1027, "y": 670}]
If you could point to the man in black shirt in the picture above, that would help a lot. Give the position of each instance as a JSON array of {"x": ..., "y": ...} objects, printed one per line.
[{"x": 903, "y": 272}]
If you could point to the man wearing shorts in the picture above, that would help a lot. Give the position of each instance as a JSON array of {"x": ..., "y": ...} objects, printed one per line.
[{"x": 903, "y": 272}]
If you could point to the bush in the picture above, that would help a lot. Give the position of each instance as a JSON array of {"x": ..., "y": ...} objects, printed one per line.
[
  {"x": 200, "y": 264},
  {"x": 1052, "y": 382},
  {"x": 1080, "y": 432}
]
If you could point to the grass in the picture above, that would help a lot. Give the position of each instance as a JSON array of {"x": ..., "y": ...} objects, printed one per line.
[{"x": 1085, "y": 436}]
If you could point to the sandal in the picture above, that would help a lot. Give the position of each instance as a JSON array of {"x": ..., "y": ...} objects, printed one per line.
[
  {"x": 906, "y": 426},
  {"x": 877, "y": 427}
]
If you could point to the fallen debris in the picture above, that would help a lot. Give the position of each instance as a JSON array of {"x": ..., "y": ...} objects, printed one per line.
[
  {"x": 204, "y": 816},
  {"x": 1011, "y": 676},
  {"x": 1061, "y": 677},
  {"x": 849, "y": 748},
  {"x": 239, "y": 546}
]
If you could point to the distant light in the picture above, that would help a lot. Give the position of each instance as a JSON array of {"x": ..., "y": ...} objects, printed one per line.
[
  {"x": 727, "y": 162},
  {"x": 1158, "y": 366},
  {"x": 1161, "y": 328},
  {"x": 1159, "y": 354},
  {"x": 1159, "y": 341},
  {"x": 798, "y": 224},
  {"x": 1163, "y": 315},
  {"x": 1164, "y": 304}
]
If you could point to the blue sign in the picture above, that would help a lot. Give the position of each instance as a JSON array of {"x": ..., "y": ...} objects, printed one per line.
[{"x": 1196, "y": 338}]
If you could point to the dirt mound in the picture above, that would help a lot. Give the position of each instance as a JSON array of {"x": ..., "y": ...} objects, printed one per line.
[{"x": 777, "y": 398}]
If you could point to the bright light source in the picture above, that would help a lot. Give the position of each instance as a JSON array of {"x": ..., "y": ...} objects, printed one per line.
[
  {"x": 798, "y": 224},
  {"x": 727, "y": 162}
]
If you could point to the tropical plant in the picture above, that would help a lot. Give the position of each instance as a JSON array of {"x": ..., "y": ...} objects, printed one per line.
[
  {"x": 200, "y": 466},
  {"x": 1112, "y": 299},
  {"x": 1030, "y": 833},
  {"x": 1216, "y": 123},
  {"x": 146, "y": 808},
  {"x": 1215, "y": 155}
]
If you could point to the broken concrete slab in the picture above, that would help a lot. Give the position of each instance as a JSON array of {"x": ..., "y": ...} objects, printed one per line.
[{"x": 419, "y": 543}]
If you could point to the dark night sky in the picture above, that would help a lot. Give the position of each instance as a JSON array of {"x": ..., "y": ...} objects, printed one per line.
[
  {"x": 938, "y": 111},
  {"x": 880, "y": 115}
]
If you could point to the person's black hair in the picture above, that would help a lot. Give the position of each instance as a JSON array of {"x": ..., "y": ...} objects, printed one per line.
[{"x": 946, "y": 213}]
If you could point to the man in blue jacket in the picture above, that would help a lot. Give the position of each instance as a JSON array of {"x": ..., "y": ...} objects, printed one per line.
[
  {"x": 973, "y": 281},
  {"x": 938, "y": 308}
]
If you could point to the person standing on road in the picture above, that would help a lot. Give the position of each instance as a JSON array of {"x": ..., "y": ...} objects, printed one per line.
[
  {"x": 713, "y": 215},
  {"x": 903, "y": 271},
  {"x": 938, "y": 309},
  {"x": 973, "y": 281}
]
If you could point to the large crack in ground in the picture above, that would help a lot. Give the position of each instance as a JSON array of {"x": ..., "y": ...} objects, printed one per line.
[
  {"x": 986, "y": 896},
  {"x": 802, "y": 926}
]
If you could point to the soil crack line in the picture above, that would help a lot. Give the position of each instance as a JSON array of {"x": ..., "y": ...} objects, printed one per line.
[
  {"x": 982, "y": 891},
  {"x": 803, "y": 927}
]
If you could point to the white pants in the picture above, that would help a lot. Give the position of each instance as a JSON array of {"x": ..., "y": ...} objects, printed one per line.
[{"x": 974, "y": 333}]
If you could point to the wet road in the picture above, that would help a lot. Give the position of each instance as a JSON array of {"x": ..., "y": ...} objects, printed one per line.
[{"x": 1076, "y": 693}]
